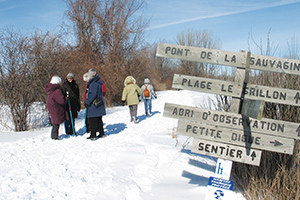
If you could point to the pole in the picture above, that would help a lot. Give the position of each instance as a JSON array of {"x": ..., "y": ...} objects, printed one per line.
[{"x": 71, "y": 117}]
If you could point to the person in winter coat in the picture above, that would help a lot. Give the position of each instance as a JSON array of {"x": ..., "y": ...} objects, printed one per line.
[
  {"x": 86, "y": 78},
  {"x": 147, "y": 95},
  {"x": 131, "y": 94},
  {"x": 94, "y": 114},
  {"x": 71, "y": 90},
  {"x": 56, "y": 104}
]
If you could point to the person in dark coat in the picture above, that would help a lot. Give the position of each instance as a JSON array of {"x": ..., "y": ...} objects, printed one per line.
[
  {"x": 56, "y": 104},
  {"x": 86, "y": 78},
  {"x": 71, "y": 90},
  {"x": 94, "y": 114}
]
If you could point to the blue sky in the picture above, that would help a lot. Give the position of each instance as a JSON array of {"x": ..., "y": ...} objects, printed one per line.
[{"x": 229, "y": 21}]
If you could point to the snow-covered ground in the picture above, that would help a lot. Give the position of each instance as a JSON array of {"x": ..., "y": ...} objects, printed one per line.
[{"x": 141, "y": 161}]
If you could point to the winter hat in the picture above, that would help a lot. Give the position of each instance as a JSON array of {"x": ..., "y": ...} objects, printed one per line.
[
  {"x": 92, "y": 72},
  {"x": 147, "y": 81},
  {"x": 70, "y": 75},
  {"x": 86, "y": 77},
  {"x": 55, "y": 80}
]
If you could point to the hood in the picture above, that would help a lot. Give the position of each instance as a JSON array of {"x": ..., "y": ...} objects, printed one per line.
[
  {"x": 96, "y": 79},
  {"x": 51, "y": 87},
  {"x": 128, "y": 80}
]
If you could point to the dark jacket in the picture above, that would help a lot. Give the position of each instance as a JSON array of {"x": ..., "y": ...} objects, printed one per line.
[
  {"x": 56, "y": 103},
  {"x": 94, "y": 91},
  {"x": 74, "y": 95}
]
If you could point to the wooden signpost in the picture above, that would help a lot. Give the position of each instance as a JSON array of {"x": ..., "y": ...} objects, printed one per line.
[
  {"x": 253, "y": 92},
  {"x": 207, "y": 85},
  {"x": 202, "y": 55},
  {"x": 235, "y": 136},
  {"x": 230, "y": 135},
  {"x": 272, "y": 64},
  {"x": 226, "y": 151},
  {"x": 233, "y": 121},
  {"x": 228, "y": 58}
]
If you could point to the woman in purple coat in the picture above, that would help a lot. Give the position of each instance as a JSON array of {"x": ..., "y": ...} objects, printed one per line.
[{"x": 56, "y": 104}]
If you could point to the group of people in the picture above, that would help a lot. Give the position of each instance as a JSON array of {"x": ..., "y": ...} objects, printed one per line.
[
  {"x": 63, "y": 102},
  {"x": 133, "y": 94}
]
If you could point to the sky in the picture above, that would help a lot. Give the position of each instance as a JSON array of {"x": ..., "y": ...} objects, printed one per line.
[
  {"x": 230, "y": 22},
  {"x": 143, "y": 161}
]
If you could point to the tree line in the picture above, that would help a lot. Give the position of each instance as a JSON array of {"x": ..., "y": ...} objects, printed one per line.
[{"x": 106, "y": 35}]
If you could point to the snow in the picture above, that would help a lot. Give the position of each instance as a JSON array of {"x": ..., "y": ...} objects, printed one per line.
[{"x": 143, "y": 161}]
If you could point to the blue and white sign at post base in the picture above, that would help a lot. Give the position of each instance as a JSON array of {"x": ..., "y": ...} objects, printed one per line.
[
  {"x": 219, "y": 189},
  {"x": 223, "y": 169}
]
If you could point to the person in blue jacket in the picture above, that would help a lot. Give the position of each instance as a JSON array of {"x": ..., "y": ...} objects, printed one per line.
[{"x": 94, "y": 113}]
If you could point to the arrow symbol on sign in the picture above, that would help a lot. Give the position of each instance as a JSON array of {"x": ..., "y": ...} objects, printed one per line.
[
  {"x": 298, "y": 130},
  {"x": 276, "y": 143},
  {"x": 253, "y": 155}
]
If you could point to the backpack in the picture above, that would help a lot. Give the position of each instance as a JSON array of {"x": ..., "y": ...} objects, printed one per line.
[{"x": 146, "y": 92}]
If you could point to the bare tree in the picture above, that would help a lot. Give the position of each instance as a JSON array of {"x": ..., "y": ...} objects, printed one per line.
[
  {"x": 48, "y": 57},
  {"x": 203, "y": 39},
  {"x": 26, "y": 65},
  {"x": 109, "y": 34},
  {"x": 16, "y": 76}
]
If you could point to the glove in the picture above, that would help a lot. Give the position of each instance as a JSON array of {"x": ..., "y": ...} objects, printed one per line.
[
  {"x": 123, "y": 103},
  {"x": 155, "y": 97},
  {"x": 86, "y": 105}
]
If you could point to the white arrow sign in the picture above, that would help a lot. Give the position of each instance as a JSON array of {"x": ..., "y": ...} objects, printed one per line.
[
  {"x": 225, "y": 151},
  {"x": 235, "y": 136}
]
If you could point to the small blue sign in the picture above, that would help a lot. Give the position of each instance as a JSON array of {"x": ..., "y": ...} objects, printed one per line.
[
  {"x": 218, "y": 194},
  {"x": 220, "y": 183}
]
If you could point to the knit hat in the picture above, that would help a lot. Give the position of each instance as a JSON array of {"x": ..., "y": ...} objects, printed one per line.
[
  {"x": 55, "y": 80},
  {"x": 147, "y": 81},
  {"x": 92, "y": 72},
  {"x": 86, "y": 77},
  {"x": 70, "y": 75}
]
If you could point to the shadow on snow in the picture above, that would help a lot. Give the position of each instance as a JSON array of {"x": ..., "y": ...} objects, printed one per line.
[
  {"x": 196, "y": 179},
  {"x": 114, "y": 128},
  {"x": 143, "y": 117},
  {"x": 108, "y": 130}
]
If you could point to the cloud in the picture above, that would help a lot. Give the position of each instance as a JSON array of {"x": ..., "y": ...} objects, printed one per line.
[{"x": 238, "y": 10}]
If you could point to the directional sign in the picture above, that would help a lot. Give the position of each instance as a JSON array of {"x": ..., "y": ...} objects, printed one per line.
[
  {"x": 235, "y": 59},
  {"x": 225, "y": 151},
  {"x": 235, "y": 136},
  {"x": 271, "y": 94},
  {"x": 202, "y": 55},
  {"x": 236, "y": 121},
  {"x": 207, "y": 85},
  {"x": 281, "y": 65},
  {"x": 252, "y": 92}
]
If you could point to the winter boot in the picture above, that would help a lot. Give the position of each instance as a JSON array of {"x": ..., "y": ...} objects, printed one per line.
[{"x": 135, "y": 120}]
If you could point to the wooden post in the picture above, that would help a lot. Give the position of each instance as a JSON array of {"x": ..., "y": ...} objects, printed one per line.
[{"x": 241, "y": 77}]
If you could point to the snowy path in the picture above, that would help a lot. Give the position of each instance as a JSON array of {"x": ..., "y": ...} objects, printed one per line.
[{"x": 133, "y": 162}]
